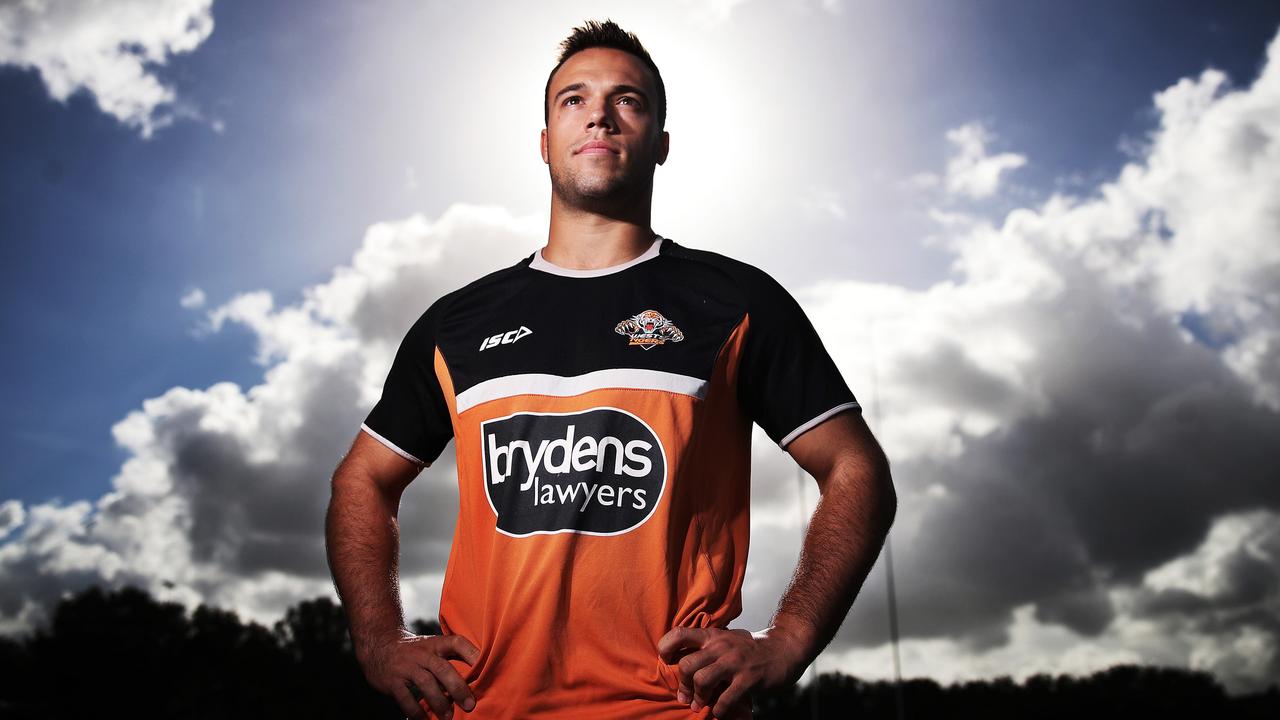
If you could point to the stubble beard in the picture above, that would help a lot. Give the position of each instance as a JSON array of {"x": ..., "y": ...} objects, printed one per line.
[{"x": 602, "y": 192}]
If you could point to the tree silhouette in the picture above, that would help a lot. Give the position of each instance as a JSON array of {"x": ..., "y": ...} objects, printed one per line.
[
  {"x": 123, "y": 653},
  {"x": 234, "y": 666},
  {"x": 315, "y": 635}
]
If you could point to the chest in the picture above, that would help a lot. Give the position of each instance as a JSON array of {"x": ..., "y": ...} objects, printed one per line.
[{"x": 570, "y": 328}]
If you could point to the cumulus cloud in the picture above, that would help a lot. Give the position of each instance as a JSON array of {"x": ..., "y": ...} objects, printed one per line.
[
  {"x": 971, "y": 172},
  {"x": 1059, "y": 431},
  {"x": 223, "y": 496},
  {"x": 1084, "y": 477},
  {"x": 11, "y": 516},
  {"x": 108, "y": 49}
]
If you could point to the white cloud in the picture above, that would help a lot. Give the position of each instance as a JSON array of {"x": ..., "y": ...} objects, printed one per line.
[
  {"x": 1208, "y": 570},
  {"x": 224, "y": 491},
  {"x": 12, "y": 515},
  {"x": 1086, "y": 443},
  {"x": 108, "y": 49},
  {"x": 193, "y": 298},
  {"x": 1223, "y": 598},
  {"x": 971, "y": 171},
  {"x": 1148, "y": 628},
  {"x": 1072, "y": 465}
]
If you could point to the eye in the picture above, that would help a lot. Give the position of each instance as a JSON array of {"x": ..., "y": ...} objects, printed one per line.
[
  {"x": 627, "y": 97},
  {"x": 571, "y": 97}
]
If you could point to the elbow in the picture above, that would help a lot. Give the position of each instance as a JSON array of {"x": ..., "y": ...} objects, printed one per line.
[
  {"x": 889, "y": 507},
  {"x": 865, "y": 482},
  {"x": 888, "y": 495}
]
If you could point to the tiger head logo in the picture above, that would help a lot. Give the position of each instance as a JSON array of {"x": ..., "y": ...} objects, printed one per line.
[{"x": 648, "y": 329}]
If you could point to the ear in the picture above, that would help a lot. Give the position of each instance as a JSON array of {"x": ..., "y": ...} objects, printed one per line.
[
  {"x": 666, "y": 147},
  {"x": 546, "y": 159}
]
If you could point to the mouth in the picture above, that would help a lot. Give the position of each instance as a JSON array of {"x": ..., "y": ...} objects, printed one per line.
[{"x": 596, "y": 147}]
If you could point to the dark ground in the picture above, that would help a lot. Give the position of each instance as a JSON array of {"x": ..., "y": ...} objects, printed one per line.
[{"x": 107, "y": 654}]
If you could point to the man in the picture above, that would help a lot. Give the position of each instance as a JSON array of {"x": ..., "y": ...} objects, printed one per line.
[{"x": 600, "y": 394}]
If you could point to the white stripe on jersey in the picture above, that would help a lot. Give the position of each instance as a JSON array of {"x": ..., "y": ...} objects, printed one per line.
[
  {"x": 812, "y": 423},
  {"x": 395, "y": 448},
  {"x": 568, "y": 386}
]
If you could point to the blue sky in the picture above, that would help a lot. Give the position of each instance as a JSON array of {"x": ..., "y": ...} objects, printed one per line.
[
  {"x": 299, "y": 125},
  {"x": 104, "y": 230}
]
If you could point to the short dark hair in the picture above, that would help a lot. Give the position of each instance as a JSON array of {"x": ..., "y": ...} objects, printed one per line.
[{"x": 605, "y": 34}]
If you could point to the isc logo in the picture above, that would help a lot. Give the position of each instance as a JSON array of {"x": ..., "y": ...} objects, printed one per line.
[{"x": 505, "y": 338}]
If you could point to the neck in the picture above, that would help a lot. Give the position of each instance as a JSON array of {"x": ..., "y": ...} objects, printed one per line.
[{"x": 582, "y": 239}]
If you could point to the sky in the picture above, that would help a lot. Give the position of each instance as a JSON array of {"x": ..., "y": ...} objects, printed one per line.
[{"x": 1042, "y": 242}]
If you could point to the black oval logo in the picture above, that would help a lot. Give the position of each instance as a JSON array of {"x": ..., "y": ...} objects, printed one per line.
[{"x": 600, "y": 471}]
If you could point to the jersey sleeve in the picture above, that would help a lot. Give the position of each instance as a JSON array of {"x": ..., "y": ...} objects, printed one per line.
[
  {"x": 412, "y": 417},
  {"x": 787, "y": 381}
]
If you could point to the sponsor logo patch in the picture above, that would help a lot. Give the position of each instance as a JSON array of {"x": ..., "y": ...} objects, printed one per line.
[
  {"x": 600, "y": 471},
  {"x": 649, "y": 329}
]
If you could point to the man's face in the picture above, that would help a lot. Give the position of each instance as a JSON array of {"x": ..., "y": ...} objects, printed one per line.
[{"x": 603, "y": 95}]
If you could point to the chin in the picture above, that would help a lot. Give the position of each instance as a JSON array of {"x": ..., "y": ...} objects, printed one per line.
[{"x": 596, "y": 190}]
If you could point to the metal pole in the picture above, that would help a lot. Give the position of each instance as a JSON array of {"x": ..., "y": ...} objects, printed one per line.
[
  {"x": 893, "y": 632},
  {"x": 899, "y": 700}
]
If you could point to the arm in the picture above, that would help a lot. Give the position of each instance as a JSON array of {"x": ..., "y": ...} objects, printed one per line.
[
  {"x": 363, "y": 547},
  {"x": 362, "y": 539},
  {"x": 845, "y": 535}
]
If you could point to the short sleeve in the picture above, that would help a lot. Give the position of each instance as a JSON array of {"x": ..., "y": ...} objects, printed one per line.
[
  {"x": 412, "y": 417},
  {"x": 787, "y": 381}
]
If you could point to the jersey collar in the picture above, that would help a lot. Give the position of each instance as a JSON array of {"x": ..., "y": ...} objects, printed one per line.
[{"x": 540, "y": 263}]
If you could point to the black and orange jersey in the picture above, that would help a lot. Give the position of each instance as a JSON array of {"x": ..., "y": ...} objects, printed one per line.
[{"x": 602, "y": 424}]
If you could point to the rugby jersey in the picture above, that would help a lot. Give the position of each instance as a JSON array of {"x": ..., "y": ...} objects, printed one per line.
[{"x": 602, "y": 424}]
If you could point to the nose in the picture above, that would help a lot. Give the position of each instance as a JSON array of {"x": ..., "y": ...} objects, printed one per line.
[{"x": 600, "y": 116}]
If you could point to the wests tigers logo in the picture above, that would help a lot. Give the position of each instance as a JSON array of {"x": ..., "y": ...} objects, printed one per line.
[{"x": 648, "y": 329}]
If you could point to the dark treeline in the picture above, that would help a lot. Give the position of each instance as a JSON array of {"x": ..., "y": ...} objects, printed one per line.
[{"x": 109, "y": 654}]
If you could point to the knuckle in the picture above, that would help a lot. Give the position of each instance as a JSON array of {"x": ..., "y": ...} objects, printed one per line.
[{"x": 431, "y": 663}]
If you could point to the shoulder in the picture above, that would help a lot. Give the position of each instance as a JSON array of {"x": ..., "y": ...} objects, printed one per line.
[
  {"x": 757, "y": 287},
  {"x": 477, "y": 293}
]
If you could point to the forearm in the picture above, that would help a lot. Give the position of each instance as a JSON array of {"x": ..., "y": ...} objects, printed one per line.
[
  {"x": 362, "y": 542},
  {"x": 844, "y": 538}
]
